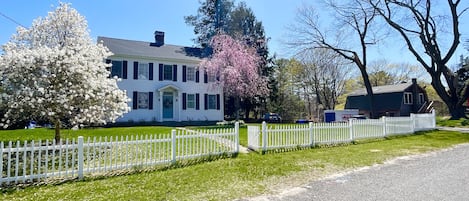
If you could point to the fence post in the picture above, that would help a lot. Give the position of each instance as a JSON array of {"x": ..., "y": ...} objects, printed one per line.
[
  {"x": 412, "y": 119},
  {"x": 311, "y": 134},
  {"x": 237, "y": 137},
  {"x": 351, "y": 128},
  {"x": 264, "y": 137},
  {"x": 1, "y": 162},
  {"x": 384, "y": 125},
  {"x": 433, "y": 119},
  {"x": 173, "y": 146},
  {"x": 80, "y": 157}
]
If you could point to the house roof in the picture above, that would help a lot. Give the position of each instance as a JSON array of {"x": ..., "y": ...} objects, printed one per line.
[
  {"x": 383, "y": 102},
  {"x": 383, "y": 89},
  {"x": 148, "y": 49}
]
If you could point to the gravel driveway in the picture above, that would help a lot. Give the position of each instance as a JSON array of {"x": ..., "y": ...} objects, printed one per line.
[{"x": 441, "y": 175}]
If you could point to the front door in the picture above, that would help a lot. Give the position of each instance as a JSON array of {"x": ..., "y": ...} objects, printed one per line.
[{"x": 168, "y": 105}]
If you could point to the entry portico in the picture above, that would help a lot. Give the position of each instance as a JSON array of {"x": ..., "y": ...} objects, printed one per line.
[{"x": 168, "y": 97}]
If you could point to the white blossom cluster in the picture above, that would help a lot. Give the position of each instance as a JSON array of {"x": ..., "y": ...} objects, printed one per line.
[{"x": 53, "y": 71}]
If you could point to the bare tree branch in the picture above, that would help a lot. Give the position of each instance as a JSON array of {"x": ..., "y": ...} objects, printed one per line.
[
  {"x": 356, "y": 17},
  {"x": 426, "y": 29}
]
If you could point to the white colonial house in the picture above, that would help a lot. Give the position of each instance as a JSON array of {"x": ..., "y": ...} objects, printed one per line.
[{"x": 164, "y": 81}]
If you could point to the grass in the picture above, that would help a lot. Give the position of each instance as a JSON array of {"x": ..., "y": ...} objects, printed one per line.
[
  {"x": 48, "y": 134},
  {"x": 243, "y": 132},
  {"x": 445, "y": 121},
  {"x": 45, "y": 133},
  {"x": 243, "y": 176}
]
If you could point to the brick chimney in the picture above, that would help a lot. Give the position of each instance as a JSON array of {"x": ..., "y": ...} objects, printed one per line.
[
  {"x": 159, "y": 39},
  {"x": 415, "y": 96}
]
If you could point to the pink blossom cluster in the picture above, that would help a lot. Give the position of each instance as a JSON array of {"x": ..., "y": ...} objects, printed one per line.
[{"x": 236, "y": 67}]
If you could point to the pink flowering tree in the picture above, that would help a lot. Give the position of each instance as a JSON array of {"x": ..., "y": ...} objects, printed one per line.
[{"x": 236, "y": 67}]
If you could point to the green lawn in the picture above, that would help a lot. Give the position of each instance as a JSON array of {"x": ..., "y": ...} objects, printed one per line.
[
  {"x": 48, "y": 134},
  {"x": 246, "y": 175},
  {"x": 44, "y": 133},
  {"x": 442, "y": 121}
]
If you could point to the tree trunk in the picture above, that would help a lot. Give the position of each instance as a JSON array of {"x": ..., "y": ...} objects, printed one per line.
[
  {"x": 450, "y": 97},
  {"x": 57, "y": 131},
  {"x": 369, "y": 91},
  {"x": 457, "y": 112},
  {"x": 248, "y": 106},
  {"x": 237, "y": 106}
]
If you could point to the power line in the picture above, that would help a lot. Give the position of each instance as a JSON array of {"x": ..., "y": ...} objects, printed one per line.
[{"x": 11, "y": 19}]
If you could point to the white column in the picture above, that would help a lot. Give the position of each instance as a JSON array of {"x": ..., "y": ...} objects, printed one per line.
[{"x": 179, "y": 105}]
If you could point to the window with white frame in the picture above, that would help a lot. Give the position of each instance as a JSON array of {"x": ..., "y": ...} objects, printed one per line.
[
  {"x": 142, "y": 100},
  {"x": 212, "y": 102},
  {"x": 168, "y": 72},
  {"x": 190, "y": 101},
  {"x": 421, "y": 98},
  {"x": 143, "y": 71},
  {"x": 116, "y": 69},
  {"x": 211, "y": 77},
  {"x": 407, "y": 98},
  {"x": 190, "y": 73}
]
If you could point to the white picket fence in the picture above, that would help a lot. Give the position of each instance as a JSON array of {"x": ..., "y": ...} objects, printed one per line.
[
  {"x": 266, "y": 137},
  {"x": 36, "y": 161}
]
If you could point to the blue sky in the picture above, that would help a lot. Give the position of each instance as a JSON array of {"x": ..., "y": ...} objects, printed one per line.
[{"x": 138, "y": 19}]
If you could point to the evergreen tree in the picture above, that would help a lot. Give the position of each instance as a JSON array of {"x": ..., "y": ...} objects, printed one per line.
[{"x": 212, "y": 17}]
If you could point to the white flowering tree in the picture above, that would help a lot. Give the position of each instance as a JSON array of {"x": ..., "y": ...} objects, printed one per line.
[{"x": 53, "y": 71}]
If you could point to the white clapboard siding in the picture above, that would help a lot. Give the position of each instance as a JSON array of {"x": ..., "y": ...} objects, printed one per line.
[{"x": 29, "y": 162}]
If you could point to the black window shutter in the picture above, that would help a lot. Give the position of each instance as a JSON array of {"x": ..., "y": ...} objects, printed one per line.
[
  {"x": 184, "y": 104},
  {"x": 206, "y": 101},
  {"x": 160, "y": 72},
  {"x": 205, "y": 77},
  {"x": 218, "y": 101},
  {"x": 134, "y": 100},
  {"x": 135, "y": 70},
  {"x": 124, "y": 69},
  {"x": 150, "y": 100},
  {"x": 150, "y": 71},
  {"x": 184, "y": 71},
  {"x": 197, "y": 76},
  {"x": 108, "y": 61},
  {"x": 175, "y": 72},
  {"x": 197, "y": 101}
]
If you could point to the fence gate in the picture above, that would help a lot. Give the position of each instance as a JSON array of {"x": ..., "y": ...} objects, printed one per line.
[{"x": 253, "y": 137}]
